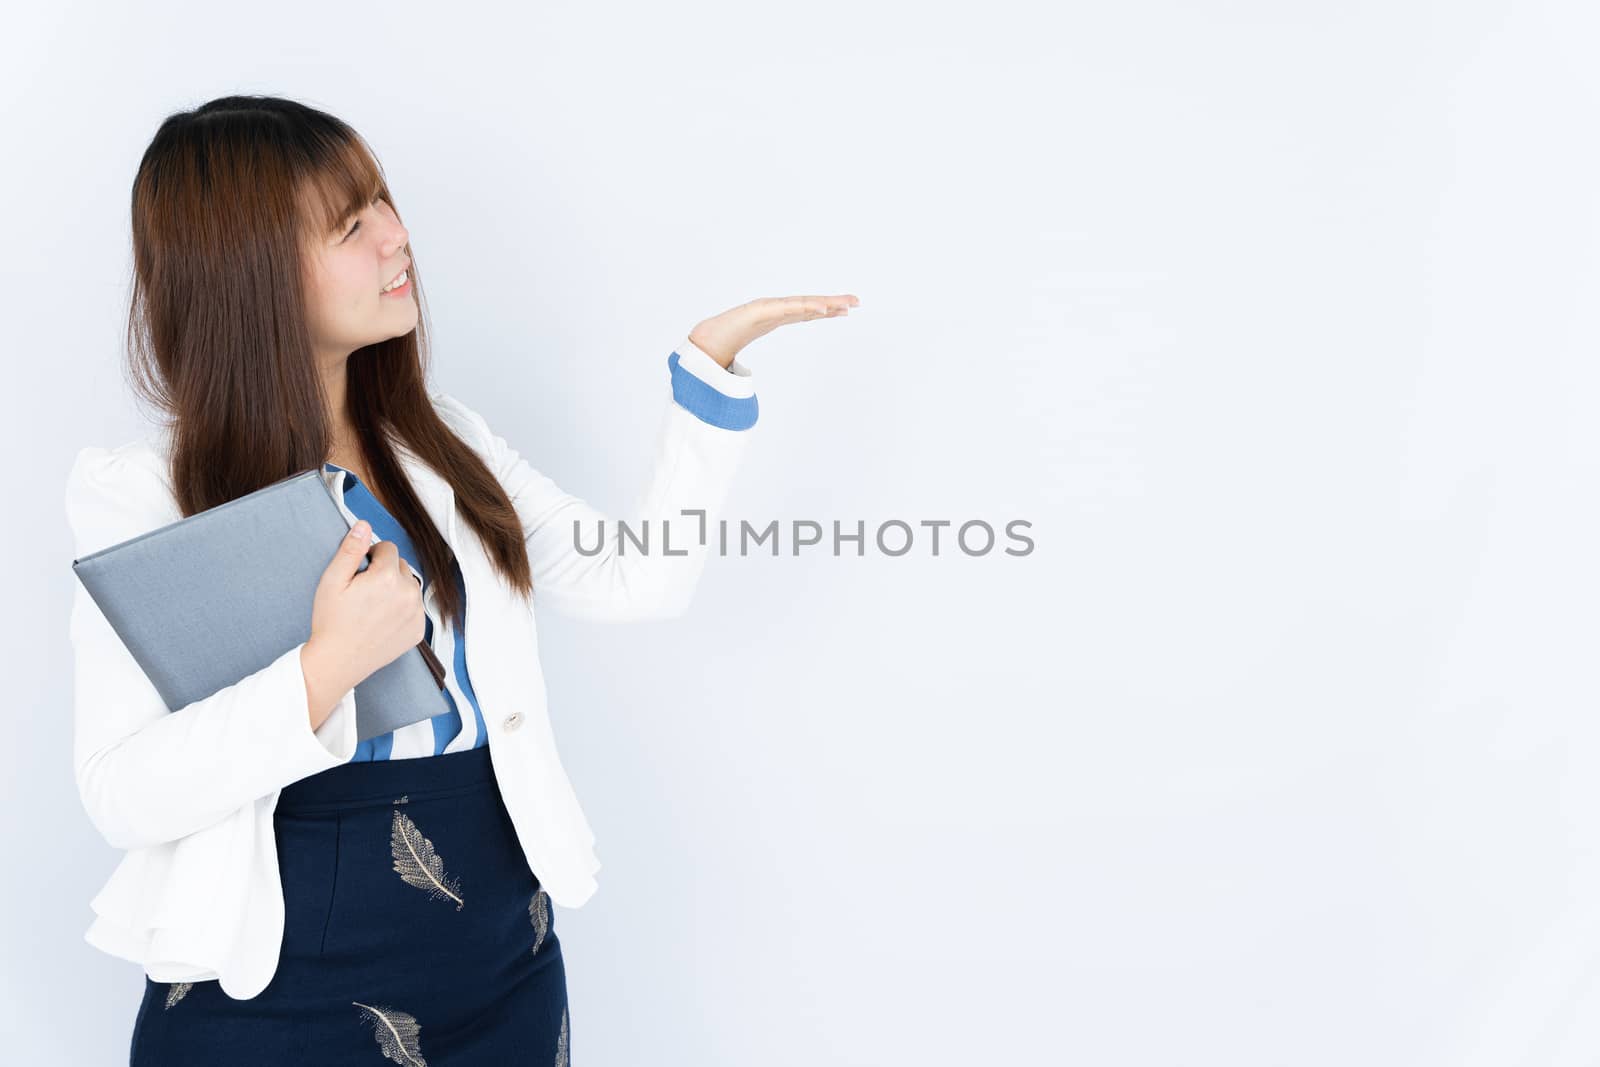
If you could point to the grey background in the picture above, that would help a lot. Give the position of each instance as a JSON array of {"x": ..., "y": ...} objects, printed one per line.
[{"x": 1275, "y": 320}]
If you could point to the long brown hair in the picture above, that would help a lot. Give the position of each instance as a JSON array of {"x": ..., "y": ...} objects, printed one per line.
[{"x": 226, "y": 200}]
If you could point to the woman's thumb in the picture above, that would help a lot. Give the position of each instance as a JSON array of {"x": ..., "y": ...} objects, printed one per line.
[{"x": 355, "y": 546}]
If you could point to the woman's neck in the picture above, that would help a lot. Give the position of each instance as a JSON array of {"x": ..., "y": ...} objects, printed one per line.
[{"x": 341, "y": 431}]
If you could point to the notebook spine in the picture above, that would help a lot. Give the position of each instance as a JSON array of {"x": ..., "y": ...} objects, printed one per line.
[{"x": 434, "y": 666}]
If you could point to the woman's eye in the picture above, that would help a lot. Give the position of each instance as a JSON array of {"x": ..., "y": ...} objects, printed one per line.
[{"x": 357, "y": 224}]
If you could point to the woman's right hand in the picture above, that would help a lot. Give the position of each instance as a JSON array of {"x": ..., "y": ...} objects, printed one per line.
[{"x": 360, "y": 620}]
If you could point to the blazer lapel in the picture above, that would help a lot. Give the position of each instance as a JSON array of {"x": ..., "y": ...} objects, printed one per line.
[{"x": 438, "y": 497}]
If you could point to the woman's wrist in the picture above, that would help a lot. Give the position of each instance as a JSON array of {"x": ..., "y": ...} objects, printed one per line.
[{"x": 324, "y": 687}]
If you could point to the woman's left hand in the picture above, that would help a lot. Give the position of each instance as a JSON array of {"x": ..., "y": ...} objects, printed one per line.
[{"x": 722, "y": 337}]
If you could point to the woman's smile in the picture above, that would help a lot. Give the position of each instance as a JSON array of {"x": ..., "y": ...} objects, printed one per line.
[{"x": 400, "y": 285}]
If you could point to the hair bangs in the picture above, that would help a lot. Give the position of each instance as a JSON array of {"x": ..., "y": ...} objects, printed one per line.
[{"x": 344, "y": 183}]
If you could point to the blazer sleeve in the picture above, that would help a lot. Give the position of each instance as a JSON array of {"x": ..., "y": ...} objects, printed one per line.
[
  {"x": 584, "y": 564},
  {"x": 147, "y": 774}
]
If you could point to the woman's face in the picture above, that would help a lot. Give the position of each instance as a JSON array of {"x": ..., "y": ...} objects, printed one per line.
[{"x": 344, "y": 287}]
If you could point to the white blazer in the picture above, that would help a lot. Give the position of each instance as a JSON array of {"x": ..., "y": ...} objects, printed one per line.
[{"x": 190, "y": 794}]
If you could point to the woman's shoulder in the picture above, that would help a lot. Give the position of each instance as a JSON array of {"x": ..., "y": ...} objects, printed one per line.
[
  {"x": 462, "y": 419},
  {"x": 140, "y": 464},
  {"x": 114, "y": 492}
]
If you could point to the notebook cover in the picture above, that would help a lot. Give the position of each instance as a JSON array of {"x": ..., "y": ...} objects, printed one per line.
[{"x": 214, "y": 597}]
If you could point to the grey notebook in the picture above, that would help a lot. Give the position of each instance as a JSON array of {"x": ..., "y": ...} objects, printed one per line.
[{"x": 205, "y": 601}]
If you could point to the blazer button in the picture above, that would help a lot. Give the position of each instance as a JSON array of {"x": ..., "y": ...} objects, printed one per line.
[{"x": 513, "y": 721}]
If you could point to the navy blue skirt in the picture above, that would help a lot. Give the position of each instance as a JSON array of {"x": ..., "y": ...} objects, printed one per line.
[{"x": 414, "y": 933}]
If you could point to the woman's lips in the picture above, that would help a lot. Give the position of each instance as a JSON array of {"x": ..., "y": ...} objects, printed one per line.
[{"x": 402, "y": 288}]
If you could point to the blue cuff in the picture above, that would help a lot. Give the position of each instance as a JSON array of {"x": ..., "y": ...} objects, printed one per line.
[{"x": 731, "y": 406}]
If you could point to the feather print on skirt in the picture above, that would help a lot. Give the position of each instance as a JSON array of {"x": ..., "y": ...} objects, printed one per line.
[
  {"x": 417, "y": 863},
  {"x": 398, "y": 1035},
  {"x": 561, "y": 1042},
  {"x": 177, "y": 992},
  {"x": 539, "y": 915}
]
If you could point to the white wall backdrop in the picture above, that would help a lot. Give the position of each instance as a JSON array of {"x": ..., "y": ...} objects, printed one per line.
[{"x": 1276, "y": 320}]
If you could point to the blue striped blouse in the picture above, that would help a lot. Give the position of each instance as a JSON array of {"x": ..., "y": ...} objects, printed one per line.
[{"x": 447, "y": 731}]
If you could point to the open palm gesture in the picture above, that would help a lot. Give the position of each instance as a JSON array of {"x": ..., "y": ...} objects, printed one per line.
[{"x": 722, "y": 337}]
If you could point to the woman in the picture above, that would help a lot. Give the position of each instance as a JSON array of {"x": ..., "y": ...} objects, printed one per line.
[{"x": 288, "y": 891}]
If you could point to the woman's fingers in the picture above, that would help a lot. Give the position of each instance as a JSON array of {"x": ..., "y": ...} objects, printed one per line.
[
  {"x": 724, "y": 336},
  {"x": 387, "y": 553},
  {"x": 800, "y": 308}
]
